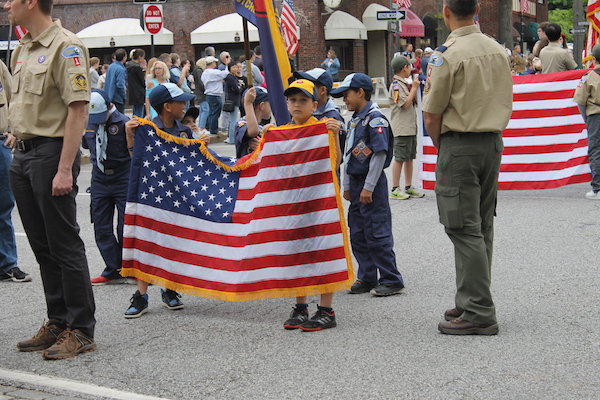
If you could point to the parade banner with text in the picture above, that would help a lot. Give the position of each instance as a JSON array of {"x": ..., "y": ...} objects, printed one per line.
[{"x": 268, "y": 225}]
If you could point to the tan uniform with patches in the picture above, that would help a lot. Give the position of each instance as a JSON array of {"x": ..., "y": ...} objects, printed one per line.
[
  {"x": 460, "y": 80},
  {"x": 588, "y": 92},
  {"x": 49, "y": 73}
]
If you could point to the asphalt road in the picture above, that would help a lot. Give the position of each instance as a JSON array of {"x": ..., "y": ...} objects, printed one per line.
[{"x": 545, "y": 283}]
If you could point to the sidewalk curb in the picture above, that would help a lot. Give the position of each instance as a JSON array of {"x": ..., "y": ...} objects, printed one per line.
[{"x": 77, "y": 388}]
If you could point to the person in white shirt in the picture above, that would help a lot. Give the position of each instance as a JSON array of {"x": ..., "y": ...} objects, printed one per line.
[{"x": 213, "y": 88}]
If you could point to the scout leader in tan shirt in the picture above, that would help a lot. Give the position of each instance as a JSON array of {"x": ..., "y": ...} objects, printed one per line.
[
  {"x": 50, "y": 93},
  {"x": 467, "y": 83}
]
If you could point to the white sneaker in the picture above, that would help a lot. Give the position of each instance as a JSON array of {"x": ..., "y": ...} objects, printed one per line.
[
  {"x": 399, "y": 195},
  {"x": 592, "y": 195}
]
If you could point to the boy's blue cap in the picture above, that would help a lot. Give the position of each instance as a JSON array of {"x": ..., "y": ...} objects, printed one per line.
[
  {"x": 99, "y": 106},
  {"x": 317, "y": 75},
  {"x": 356, "y": 81},
  {"x": 166, "y": 92},
  {"x": 261, "y": 95}
]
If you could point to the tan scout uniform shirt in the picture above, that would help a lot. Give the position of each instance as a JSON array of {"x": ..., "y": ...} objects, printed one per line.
[
  {"x": 469, "y": 83},
  {"x": 49, "y": 73},
  {"x": 556, "y": 59},
  {"x": 403, "y": 120},
  {"x": 5, "y": 92},
  {"x": 588, "y": 92}
]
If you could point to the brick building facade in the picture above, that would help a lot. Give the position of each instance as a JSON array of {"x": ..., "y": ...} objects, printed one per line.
[{"x": 183, "y": 16}]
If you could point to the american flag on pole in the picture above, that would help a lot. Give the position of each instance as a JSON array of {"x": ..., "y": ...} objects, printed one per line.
[
  {"x": 403, "y": 3},
  {"x": 289, "y": 28},
  {"x": 268, "y": 225},
  {"x": 593, "y": 34},
  {"x": 524, "y": 6},
  {"x": 545, "y": 142}
]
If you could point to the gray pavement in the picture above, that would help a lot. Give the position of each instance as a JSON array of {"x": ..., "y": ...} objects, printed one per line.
[{"x": 545, "y": 283}]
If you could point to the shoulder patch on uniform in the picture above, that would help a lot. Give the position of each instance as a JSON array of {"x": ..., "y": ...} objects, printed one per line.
[
  {"x": 435, "y": 61},
  {"x": 241, "y": 123},
  {"x": 72, "y": 51},
  {"x": 379, "y": 122},
  {"x": 396, "y": 87},
  {"x": 80, "y": 82}
]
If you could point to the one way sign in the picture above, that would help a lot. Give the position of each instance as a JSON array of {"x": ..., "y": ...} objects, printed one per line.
[{"x": 399, "y": 15}]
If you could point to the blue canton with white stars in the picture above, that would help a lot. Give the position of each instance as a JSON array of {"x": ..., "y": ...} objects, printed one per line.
[{"x": 179, "y": 178}]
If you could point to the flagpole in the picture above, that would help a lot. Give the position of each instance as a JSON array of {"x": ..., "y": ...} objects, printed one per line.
[
  {"x": 247, "y": 51},
  {"x": 10, "y": 30},
  {"x": 522, "y": 34}
]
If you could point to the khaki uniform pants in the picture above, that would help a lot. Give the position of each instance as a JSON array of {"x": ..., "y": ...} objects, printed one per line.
[{"x": 466, "y": 188}]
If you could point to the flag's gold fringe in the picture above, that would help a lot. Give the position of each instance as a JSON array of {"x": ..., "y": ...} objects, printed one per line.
[
  {"x": 340, "y": 205},
  {"x": 249, "y": 296},
  {"x": 203, "y": 149}
]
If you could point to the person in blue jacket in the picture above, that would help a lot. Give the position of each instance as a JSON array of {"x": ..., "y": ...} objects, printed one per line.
[
  {"x": 105, "y": 138},
  {"x": 369, "y": 149},
  {"x": 331, "y": 64}
]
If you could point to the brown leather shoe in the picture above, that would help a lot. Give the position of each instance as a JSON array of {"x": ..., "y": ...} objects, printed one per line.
[
  {"x": 69, "y": 344},
  {"x": 45, "y": 338},
  {"x": 451, "y": 314},
  {"x": 459, "y": 326}
]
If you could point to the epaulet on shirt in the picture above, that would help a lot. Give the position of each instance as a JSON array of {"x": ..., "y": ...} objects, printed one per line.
[{"x": 445, "y": 46}]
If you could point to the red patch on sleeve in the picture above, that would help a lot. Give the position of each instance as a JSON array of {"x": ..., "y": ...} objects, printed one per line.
[{"x": 76, "y": 61}]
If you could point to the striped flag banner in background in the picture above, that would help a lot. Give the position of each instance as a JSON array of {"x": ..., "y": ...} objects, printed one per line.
[{"x": 545, "y": 142}]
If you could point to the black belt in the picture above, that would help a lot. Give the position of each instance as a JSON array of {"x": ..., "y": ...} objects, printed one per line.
[
  {"x": 112, "y": 171},
  {"x": 26, "y": 145}
]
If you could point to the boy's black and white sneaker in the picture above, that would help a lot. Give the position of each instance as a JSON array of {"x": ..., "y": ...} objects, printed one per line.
[
  {"x": 321, "y": 320},
  {"x": 139, "y": 305},
  {"x": 16, "y": 275},
  {"x": 170, "y": 299},
  {"x": 297, "y": 317}
]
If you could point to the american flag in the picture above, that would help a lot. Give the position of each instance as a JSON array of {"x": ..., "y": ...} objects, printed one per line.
[
  {"x": 545, "y": 142},
  {"x": 593, "y": 16},
  {"x": 20, "y": 32},
  {"x": 524, "y": 6},
  {"x": 403, "y": 3},
  {"x": 289, "y": 28},
  {"x": 267, "y": 225}
]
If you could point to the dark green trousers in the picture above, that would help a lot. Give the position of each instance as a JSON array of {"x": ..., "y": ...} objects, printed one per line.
[{"x": 466, "y": 188}]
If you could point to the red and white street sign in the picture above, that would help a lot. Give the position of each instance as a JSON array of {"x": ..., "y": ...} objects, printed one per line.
[{"x": 153, "y": 18}]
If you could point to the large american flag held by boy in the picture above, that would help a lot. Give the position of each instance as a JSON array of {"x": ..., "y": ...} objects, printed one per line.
[{"x": 268, "y": 225}]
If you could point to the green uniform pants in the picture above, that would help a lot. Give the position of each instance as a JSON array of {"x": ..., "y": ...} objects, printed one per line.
[{"x": 466, "y": 188}]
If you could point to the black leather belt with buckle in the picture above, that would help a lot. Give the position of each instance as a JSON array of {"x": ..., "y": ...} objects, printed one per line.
[{"x": 30, "y": 144}]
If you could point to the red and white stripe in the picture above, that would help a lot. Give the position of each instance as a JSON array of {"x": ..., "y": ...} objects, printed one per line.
[
  {"x": 545, "y": 142},
  {"x": 20, "y": 32},
  {"x": 403, "y": 3},
  {"x": 289, "y": 28},
  {"x": 286, "y": 239}
]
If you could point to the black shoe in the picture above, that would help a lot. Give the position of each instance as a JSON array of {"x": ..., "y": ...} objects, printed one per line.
[
  {"x": 139, "y": 305},
  {"x": 386, "y": 290},
  {"x": 359, "y": 287},
  {"x": 297, "y": 317},
  {"x": 321, "y": 320},
  {"x": 16, "y": 275},
  {"x": 170, "y": 299}
]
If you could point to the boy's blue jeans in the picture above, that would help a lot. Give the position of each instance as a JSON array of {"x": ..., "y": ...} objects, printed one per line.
[{"x": 8, "y": 246}]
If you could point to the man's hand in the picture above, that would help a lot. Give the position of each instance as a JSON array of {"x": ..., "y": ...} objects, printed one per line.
[
  {"x": 366, "y": 197},
  {"x": 10, "y": 141},
  {"x": 62, "y": 183},
  {"x": 347, "y": 195}
]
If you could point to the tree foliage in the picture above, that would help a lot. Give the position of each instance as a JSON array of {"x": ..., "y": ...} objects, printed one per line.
[
  {"x": 564, "y": 18},
  {"x": 560, "y": 5}
]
